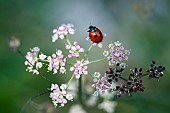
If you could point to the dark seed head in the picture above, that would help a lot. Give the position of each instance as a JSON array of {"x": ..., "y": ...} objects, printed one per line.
[
  {"x": 140, "y": 81},
  {"x": 129, "y": 83},
  {"x": 117, "y": 87},
  {"x": 121, "y": 69},
  {"x": 140, "y": 69},
  {"x": 109, "y": 80},
  {"x": 117, "y": 64},
  {"x": 116, "y": 79},
  {"x": 163, "y": 68},
  {"x": 109, "y": 75},
  {"x": 153, "y": 62},
  {"x": 140, "y": 73},
  {"x": 151, "y": 65},
  {"x": 141, "y": 89}
]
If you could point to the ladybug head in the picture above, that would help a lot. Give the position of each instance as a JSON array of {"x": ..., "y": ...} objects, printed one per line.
[{"x": 91, "y": 29}]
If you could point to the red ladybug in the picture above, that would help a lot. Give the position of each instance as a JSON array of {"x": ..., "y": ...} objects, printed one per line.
[{"x": 95, "y": 34}]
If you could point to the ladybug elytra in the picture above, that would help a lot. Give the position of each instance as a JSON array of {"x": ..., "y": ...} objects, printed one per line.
[{"x": 95, "y": 34}]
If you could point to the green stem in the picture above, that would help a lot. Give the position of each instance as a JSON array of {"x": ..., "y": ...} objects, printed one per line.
[
  {"x": 68, "y": 41},
  {"x": 144, "y": 75},
  {"x": 123, "y": 78},
  {"x": 88, "y": 51},
  {"x": 43, "y": 76},
  {"x": 80, "y": 79},
  {"x": 80, "y": 91},
  {"x": 97, "y": 60},
  {"x": 70, "y": 79},
  {"x": 69, "y": 63},
  {"x": 42, "y": 60},
  {"x": 32, "y": 98}
]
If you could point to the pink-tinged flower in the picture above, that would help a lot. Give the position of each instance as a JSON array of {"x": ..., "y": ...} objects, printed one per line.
[
  {"x": 79, "y": 68},
  {"x": 75, "y": 50},
  {"x": 101, "y": 85},
  {"x": 62, "y": 31},
  {"x": 117, "y": 53},
  {"x": 57, "y": 62},
  {"x": 59, "y": 95},
  {"x": 32, "y": 61}
]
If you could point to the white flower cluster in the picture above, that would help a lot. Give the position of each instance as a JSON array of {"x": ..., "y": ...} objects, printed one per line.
[
  {"x": 62, "y": 31},
  {"x": 32, "y": 60},
  {"x": 79, "y": 68},
  {"x": 116, "y": 53},
  {"x": 75, "y": 50},
  {"x": 59, "y": 95},
  {"x": 57, "y": 62}
]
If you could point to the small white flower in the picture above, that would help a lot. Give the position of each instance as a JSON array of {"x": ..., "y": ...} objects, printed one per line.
[
  {"x": 111, "y": 45},
  {"x": 111, "y": 63},
  {"x": 100, "y": 45},
  {"x": 55, "y": 71},
  {"x": 73, "y": 48},
  {"x": 97, "y": 74},
  {"x": 85, "y": 72},
  {"x": 71, "y": 68},
  {"x": 117, "y": 43},
  {"x": 54, "y": 37},
  {"x": 69, "y": 97},
  {"x": 59, "y": 52},
  {"x": 61, "y": 36},
  {"x": 71, "y": 31},
  {"x": 81, "y": 50},
  {"x": 86, "y": 62},
  {"x": 68, "y": 47},
  {"x": 105, "y": 53},
  {"x": 35, "y": 49},
  {"x": 35, "y": 72},
  {"x": 61, "y": 28},
  {"x": 55, "y": 103},
  {"x": 62, "y": 70},
  {"x": 127, "y": 52},
  {"x": 29, "y": 69},
  {"x": 54, "y": 86},
  {"x": 49, "y": 68},
  {"x": 123, "y": 65},
  {"x": 94, "y": 44},
  {"x": 87, "y": 38},
  {"x": 38, "y": 65},
  {"x": 42, "y": 56},
  {"x": 63, "y": 86}
]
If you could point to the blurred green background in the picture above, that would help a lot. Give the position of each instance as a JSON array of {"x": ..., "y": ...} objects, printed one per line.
[{"x": 141, "y": 25}]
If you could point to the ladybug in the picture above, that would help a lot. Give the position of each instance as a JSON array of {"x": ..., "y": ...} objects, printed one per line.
[{"x": 95, "y": 34}]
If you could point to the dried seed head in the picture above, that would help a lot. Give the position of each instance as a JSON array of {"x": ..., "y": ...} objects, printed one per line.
[{"x": 14, "y": 43}]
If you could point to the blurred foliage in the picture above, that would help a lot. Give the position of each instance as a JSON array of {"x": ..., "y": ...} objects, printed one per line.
[{"x": 142, "y": 25}]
